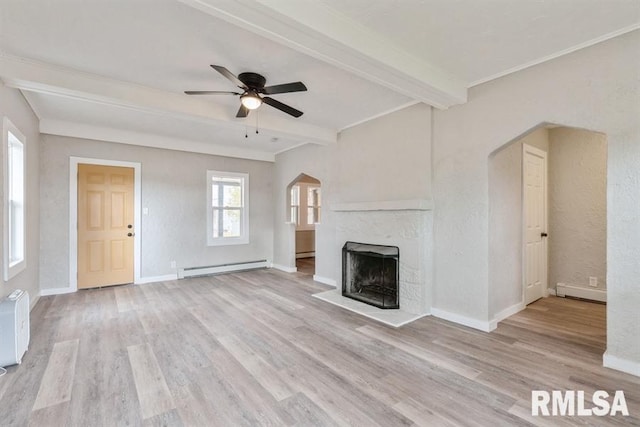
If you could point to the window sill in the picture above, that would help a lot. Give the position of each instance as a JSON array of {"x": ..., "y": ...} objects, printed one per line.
[{"x": 228, "y": 241}]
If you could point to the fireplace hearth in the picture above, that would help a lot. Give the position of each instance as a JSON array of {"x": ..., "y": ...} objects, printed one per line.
[{"x": 370, "y": 274}]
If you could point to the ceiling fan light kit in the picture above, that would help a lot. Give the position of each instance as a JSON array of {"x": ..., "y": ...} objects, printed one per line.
[
  {"x": 253, "y": 85},
  {"x": 251, "y": 100}
]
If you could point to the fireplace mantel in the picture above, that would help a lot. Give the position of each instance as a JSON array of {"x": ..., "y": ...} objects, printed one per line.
[{"x": 385, "y": 205}]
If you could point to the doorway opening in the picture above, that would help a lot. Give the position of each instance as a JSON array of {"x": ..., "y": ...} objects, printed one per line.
[
  {"x": 74, "y": 222},
  {"x": 304, "y": 203},
  {"x": 547, "y": 218}
]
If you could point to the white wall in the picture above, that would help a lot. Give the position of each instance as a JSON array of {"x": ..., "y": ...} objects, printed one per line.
[
  {"x": 174, "y": 191},
  {"x": 386, "y": 159},
  {"x": 14, "y": 106},
  {"x": 577, "y": 207},
  {"x": 595, "y": 88}
]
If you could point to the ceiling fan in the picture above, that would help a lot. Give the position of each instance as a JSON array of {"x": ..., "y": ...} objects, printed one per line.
[{"x": 253, "y": 86}]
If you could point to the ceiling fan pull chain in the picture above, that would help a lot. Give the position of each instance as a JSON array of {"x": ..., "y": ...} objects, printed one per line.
[
  {"x": 246, "y": 134},
  {"x": 257, "y": 114}
]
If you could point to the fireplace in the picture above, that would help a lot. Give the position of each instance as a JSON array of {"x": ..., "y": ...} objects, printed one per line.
[{"x": 370, "y": 274}]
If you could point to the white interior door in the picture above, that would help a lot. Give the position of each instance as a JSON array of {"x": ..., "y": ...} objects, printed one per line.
[{"x": 534, "y": 165}]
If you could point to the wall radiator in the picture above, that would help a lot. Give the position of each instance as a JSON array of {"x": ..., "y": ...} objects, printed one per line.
[
  {"x": 14, "y": 327},
  {"x": 222, "y": 268}
]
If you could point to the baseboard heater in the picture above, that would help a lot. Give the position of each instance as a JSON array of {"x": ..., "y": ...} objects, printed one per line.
[
  {"x": 221, "y": 268},
  {"x": 563, "y": 290}
]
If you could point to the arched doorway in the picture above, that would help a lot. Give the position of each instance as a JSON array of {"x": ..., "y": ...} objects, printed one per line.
[
  {"x": 304, "y": 206},
  {"x": 552, "y": 237}
]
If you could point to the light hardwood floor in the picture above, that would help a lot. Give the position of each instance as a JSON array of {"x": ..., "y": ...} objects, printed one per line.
[
  {"x": 255, "y": 348},
  {"x": 306, "y": 265}
]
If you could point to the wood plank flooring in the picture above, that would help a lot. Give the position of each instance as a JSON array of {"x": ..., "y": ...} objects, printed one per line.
[
  {"x": 255, "y": 348},
  {"x": 306, "y": 265}
]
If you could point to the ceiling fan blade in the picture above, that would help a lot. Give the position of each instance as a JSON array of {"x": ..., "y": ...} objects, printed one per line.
[
  {"x": 210, "y": 92},
  {"x": 228, "y": 74},
  {"x": 284, "y": 88},
  {"x": 282, "y": 107},
  {"x": 243, "y": 111}
]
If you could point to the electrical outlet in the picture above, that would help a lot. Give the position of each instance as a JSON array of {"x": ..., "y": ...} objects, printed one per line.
[
  {"x": 593, "y": 282},
  {"x": 173, "y": 264}
]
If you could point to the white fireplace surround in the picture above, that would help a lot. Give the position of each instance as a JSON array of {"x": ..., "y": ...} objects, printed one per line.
[{"x": 406, "y": 224}]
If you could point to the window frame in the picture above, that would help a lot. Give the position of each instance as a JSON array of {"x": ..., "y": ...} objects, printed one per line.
[
  {"x": 11, "y": 269},
  {"x": 244, "y": 209},
  {"x": 313, "y": 193},
  {"x": 294, "y": 205}
]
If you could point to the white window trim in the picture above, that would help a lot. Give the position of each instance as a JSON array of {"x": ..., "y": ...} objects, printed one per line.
[
  {"x": 301, "y": 224},
  {"x": 244, "y": 237},
  {"x": 11, "y": 271}
]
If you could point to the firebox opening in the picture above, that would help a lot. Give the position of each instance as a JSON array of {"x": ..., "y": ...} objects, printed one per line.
[{"x": 370, "y": 274}]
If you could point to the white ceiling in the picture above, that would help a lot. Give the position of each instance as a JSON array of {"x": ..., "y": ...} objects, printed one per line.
[{"x": 115, "y": 70}]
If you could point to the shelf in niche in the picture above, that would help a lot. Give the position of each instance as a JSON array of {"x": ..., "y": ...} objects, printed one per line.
[{"x": 385, "y": 205}]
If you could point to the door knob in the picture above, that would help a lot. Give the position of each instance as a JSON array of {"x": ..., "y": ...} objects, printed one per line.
[
  {"x": 129, "y": 226},
  {"x": 543, "y": 234},
  {"x": 131, "y": 234}
]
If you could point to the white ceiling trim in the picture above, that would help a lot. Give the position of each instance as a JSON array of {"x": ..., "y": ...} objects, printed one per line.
[
  {"x": 84, "y": 131},
  {"x": 35, "y": 76},
  {"x": 558, "y": 54},
  {"x": 323, "y": 33}
]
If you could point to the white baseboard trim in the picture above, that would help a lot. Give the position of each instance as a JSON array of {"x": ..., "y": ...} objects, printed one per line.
[
  {"x": 153, "y": 279},
  {"x": 56, "y": 291},
  {"x": 503, "y": 314},
  {"x": 284, "y": 268},
  {"x": 462, "y": 320},
  {"x": 325, "y": 280},
  {"x": 551, "y": 291},
  {"x": 563, "y": 290},
  {"x": 305, "y": 255},
  {"x": 623, "y": 365}
]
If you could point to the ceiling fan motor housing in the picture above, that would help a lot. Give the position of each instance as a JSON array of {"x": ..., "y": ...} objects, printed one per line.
[{"x": 252, "y": 80}]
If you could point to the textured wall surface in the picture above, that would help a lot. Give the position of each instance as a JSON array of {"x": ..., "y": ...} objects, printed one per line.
[
  {"x": 174, "y": 189},
  {"x": 577, "y": 207},
  {"x": 505, "y": 226},
  {"x": 596, "y": 88},
  {"x": 15, "y": 107},
  {"x": 387, "y": 158}
]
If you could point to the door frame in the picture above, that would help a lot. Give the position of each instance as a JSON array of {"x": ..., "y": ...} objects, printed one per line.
[
  {"x": 545, "y": 155},
  {"x": 73, "y": 213}
]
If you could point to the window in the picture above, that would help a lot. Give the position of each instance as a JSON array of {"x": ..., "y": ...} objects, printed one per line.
[
  {"x": 14, "y": 200},
  {"x": 295, "y": 204},
  {"x": 313, "y": 205},
  {"x": 227, "y": 208}
]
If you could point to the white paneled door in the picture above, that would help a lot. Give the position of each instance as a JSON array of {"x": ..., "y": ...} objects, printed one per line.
[{"x": 535, "y": 223}]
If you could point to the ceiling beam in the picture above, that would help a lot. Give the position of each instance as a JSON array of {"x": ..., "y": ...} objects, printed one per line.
[
  {"x": 312, "y": 28},
  {"x": 101, "y": 133},
  {"x": 35, "y": 76}
]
